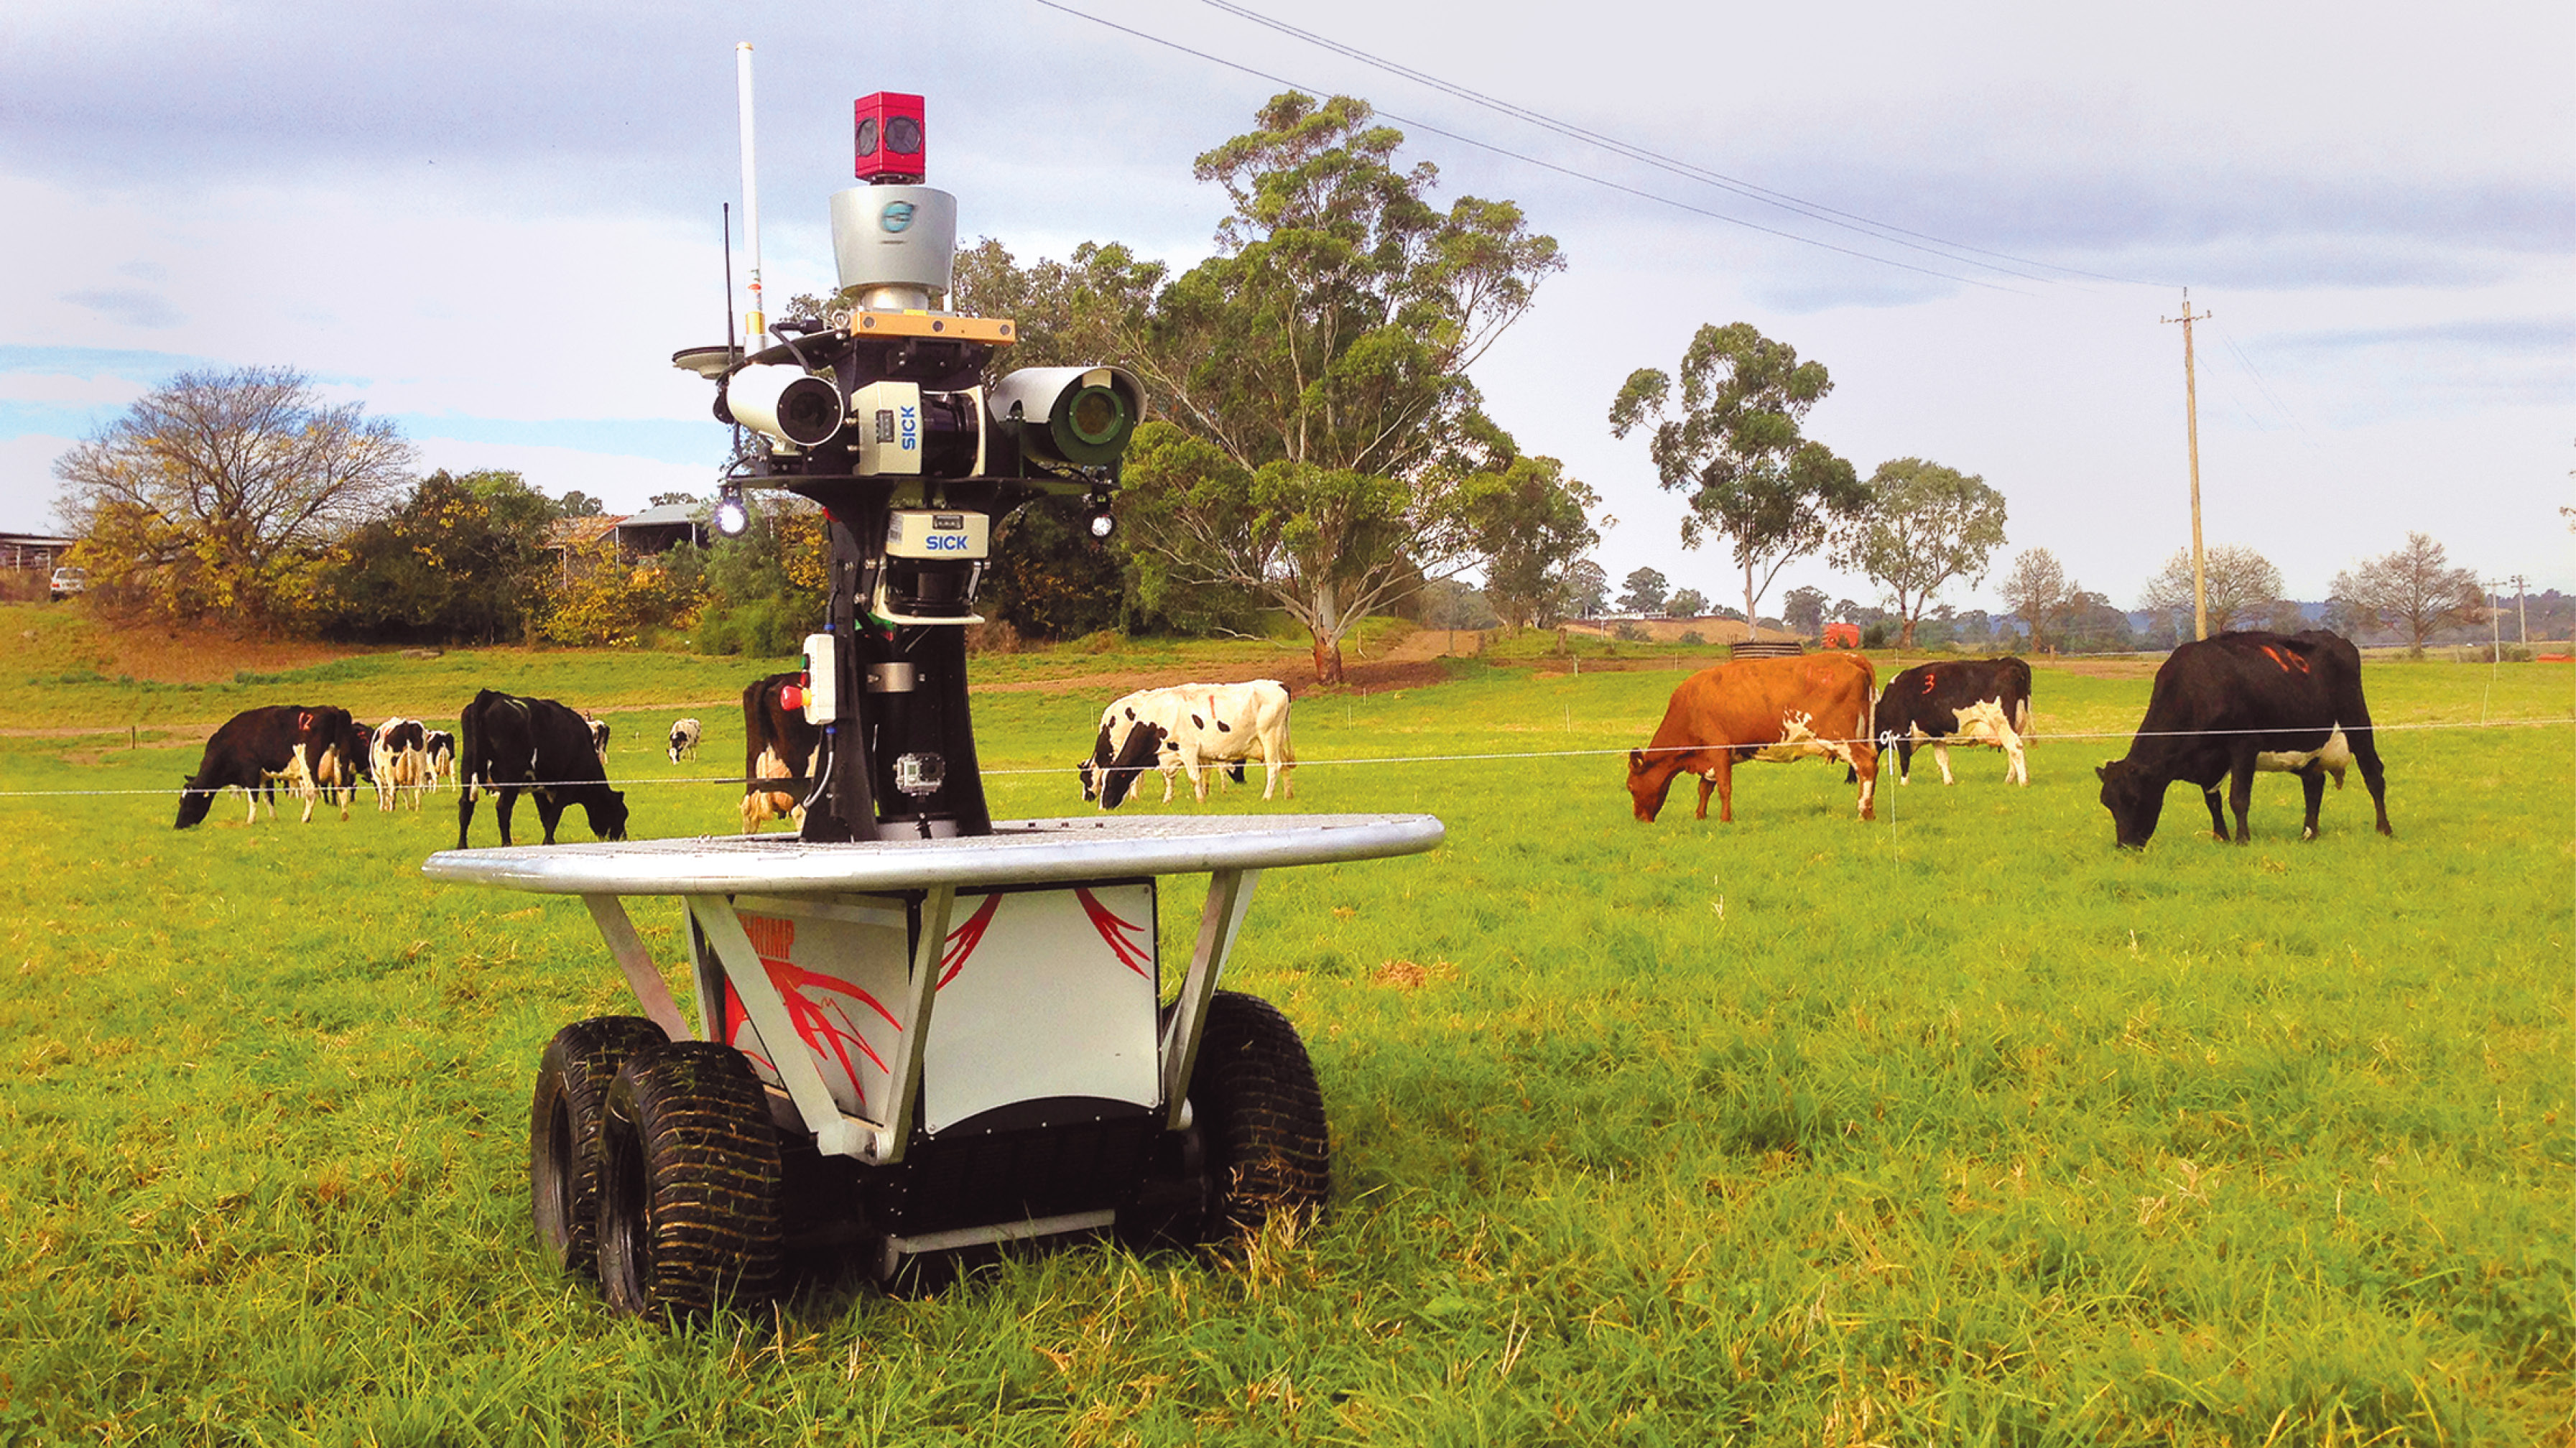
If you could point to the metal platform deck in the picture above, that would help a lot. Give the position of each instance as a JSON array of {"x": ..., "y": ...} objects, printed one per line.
[{"x": 1018, "y": 852}]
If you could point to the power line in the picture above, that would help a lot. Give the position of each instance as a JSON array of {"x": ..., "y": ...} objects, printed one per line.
[
  {"x": 1752, "y": 191},
  {"x": 1567, "y": 171}
]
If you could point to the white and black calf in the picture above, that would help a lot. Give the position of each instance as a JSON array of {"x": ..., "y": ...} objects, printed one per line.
[
  {"x": 513, "y": 744},
  {"x": 1972, "y": 701},
  {"x": 1190, "y": 729},
  {"x": 399, "y": 754},
  {"x": 2226, "y": 707},
  {"x": 598, "y": 738},
  {"x": 440, "y": 748},
  {"x": 685, "y": 735}
]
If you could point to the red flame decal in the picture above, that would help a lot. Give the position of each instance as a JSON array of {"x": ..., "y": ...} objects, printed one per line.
[
  {"x": 1121, "y": 935},
  {"x": 963, "y": 940},
  {"x": 824, "y": 1026}
]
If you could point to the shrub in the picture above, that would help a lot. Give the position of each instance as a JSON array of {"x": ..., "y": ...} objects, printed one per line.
[{"x": 762, "y": 627}]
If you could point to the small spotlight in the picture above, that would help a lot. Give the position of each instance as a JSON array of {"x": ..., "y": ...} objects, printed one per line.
[
  {"x": 1103, "y": 522},
  {"x": 731, "y": 516}
]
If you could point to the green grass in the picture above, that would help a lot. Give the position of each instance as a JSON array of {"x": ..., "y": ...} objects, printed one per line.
[{"x": 1959, "y": 1126}]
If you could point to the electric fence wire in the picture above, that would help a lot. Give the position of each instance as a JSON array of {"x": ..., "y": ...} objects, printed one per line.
[
  {"x": 1525, "y": 159},
  {"x": 1497, "y": 756}
]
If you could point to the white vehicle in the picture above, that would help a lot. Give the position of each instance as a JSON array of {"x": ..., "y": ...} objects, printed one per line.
[{"x": 66, "y": 582}]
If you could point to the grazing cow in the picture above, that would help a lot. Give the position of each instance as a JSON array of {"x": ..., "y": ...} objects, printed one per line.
[
  {"x": 399, "y": 755},
  {"x": 778, "y": 743},
  {"x": 513, "y": 744},
  {"x": 1189, "y": 729},
  {"x": 598, "y": 738},
  {"x": 685, "y": 734},
  {"x": 1769, "y": 709},
  {"x": 440, "y": 747},
  {"x": 1975, "y": 701},
  {"x": 256, "y": 748},
  {"x": 2225, "y": 707}
]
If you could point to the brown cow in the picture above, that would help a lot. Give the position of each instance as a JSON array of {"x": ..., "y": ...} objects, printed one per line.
[
  {"x": 1774, "y": 709},
  {"x": 778, "y": 743}
]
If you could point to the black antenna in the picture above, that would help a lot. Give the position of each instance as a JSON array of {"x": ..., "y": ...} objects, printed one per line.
[{"x": 729, "y": 342}]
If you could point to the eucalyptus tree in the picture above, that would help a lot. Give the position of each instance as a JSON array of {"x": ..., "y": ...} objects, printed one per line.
[
  {"x": 1531, "y": 527},
  {"x": 1928, "y": 526},
  {"x": 1327, "y": 448},
  {"x": 1734, "y": 446}
]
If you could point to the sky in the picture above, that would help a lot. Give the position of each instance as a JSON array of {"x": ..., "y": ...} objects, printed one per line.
[{"x": 494, "y": 224}]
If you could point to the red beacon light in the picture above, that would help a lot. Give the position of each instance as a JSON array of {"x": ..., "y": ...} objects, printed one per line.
[{"x": 888, "y": 140}]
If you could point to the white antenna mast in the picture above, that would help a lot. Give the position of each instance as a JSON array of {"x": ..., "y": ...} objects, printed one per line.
[{"x": 756, "y": 324}]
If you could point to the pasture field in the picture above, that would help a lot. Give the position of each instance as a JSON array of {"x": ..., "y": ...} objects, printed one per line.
[{"x": 1957, "y": 1126}]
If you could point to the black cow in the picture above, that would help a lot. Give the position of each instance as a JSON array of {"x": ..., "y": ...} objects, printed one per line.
[
  {"x": 1976, "y": 701},
  {"x": 2228, "y": 706},
  {"x": 778, "y": 743},
  {"x": 256, "y": 748},
  {"x": 538, "y": 745}
]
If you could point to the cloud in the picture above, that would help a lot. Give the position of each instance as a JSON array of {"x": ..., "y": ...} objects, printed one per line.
[
  {"x": 128, "y": 306},
  {"x": 2541, "y": 336}
]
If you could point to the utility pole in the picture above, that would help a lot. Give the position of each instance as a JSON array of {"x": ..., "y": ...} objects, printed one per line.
[
  {"x": 2522, "y": 610},
  {"x": 2191, "y": 418}
]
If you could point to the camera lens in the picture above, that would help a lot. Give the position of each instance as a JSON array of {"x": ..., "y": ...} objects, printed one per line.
[{"x": 1096, "y": 415}]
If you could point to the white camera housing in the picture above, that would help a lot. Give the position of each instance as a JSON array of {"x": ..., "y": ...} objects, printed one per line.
[
  {"x": 787, "y": 404},
  {"x": 1080, "y": 416}
]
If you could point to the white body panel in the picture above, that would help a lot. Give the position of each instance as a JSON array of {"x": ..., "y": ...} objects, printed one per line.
[{"x": 1042, "y": 993}]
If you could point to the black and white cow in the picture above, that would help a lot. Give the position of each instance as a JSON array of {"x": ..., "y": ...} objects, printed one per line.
[
  {"x": 598, "y": 738},
  {"x": 685, "y": 735},
  {"x": 513, "y": 744},
  {"x": 440, "y": 747},
  {"x": 258, "y": 748},
  {"x": 1972, "y": 701},
  {"x": 399, "y": 754},
  {"x": 2228, "y": 706},
  {"x": 778, "y": 743},
  {"x": 1189, "y": 729}
]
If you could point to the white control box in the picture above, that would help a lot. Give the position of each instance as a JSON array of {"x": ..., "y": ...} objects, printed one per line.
[{"x": 822, "y": 679}]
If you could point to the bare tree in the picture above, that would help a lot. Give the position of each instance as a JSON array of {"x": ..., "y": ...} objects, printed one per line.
[
  {"x": 2241, "y": 587},
  {"x": 217, "y": 493},
  {"x": 2415, "y": 589},
  {"x": 2037, "y": 588}
]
